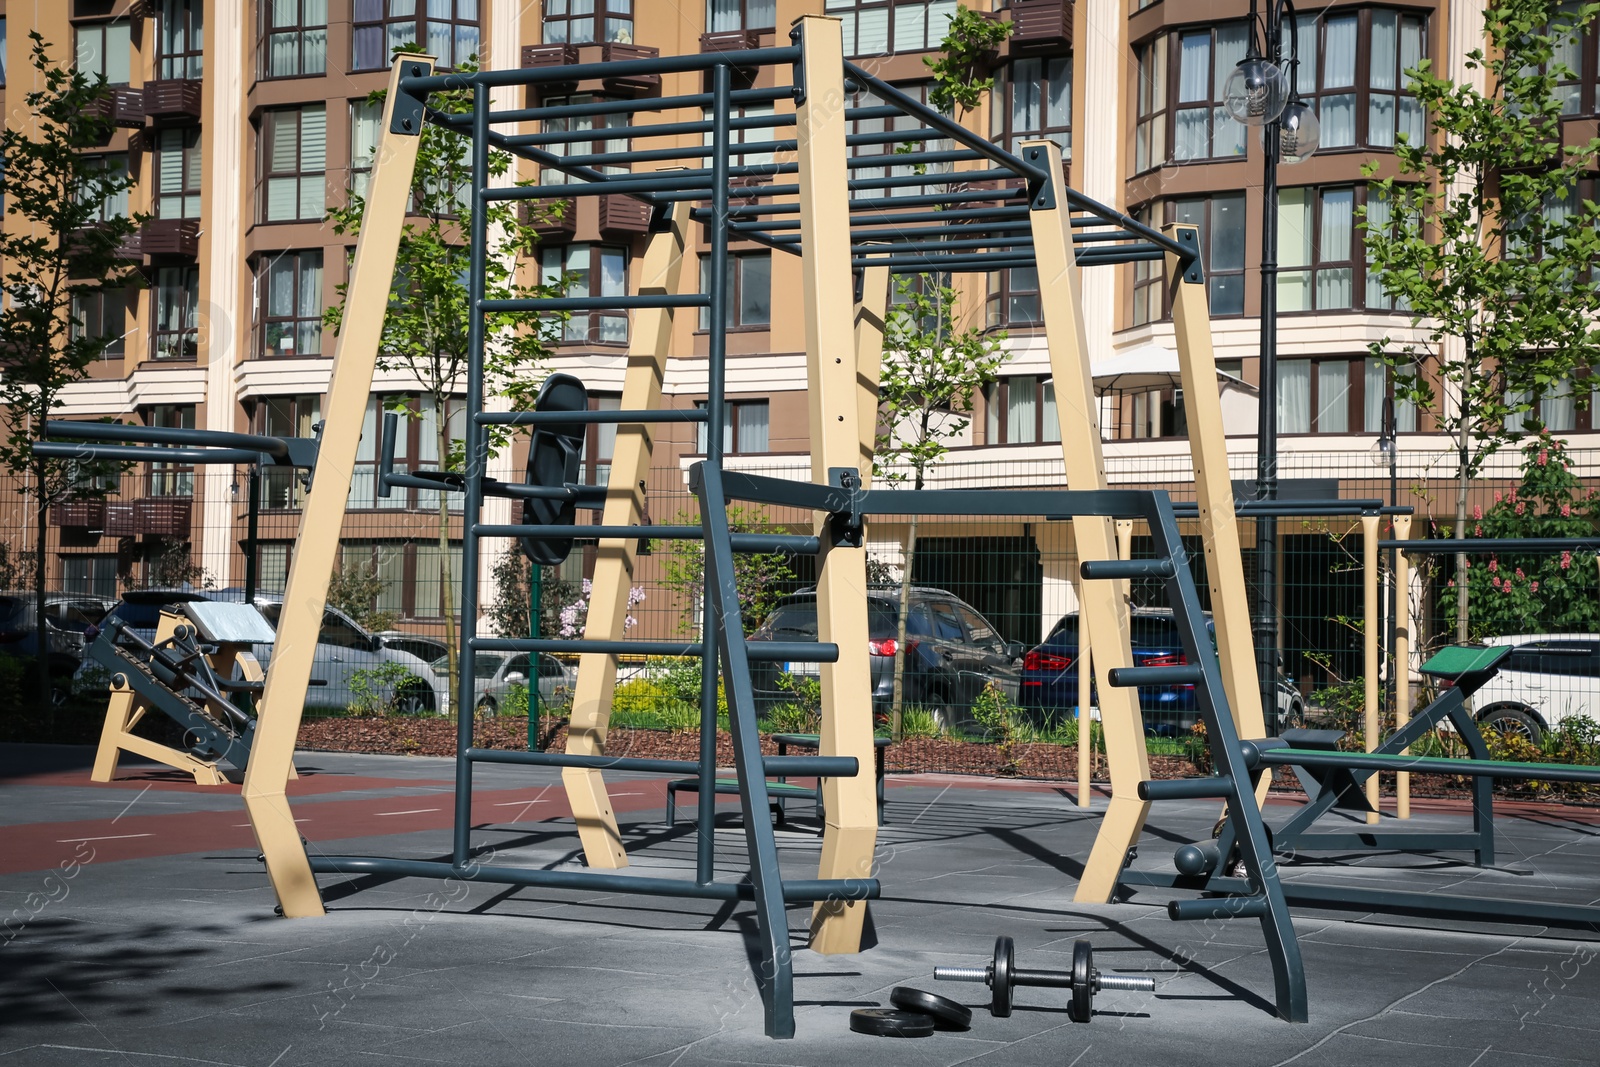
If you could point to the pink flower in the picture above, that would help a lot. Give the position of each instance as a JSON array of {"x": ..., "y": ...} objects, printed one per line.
[
  {"x": 1566, "y": 560},
  {"x": 1520, "y": 575},
  {"x": 1498, "y": 496},
  {"x": 1521, "y": 507},
  {"x": 1566, "y": 511},
  {"x": 1534, "y": 588},
  {"x": 1506, "y": 588},
  {"x": 1477, "y": 530},
  {"x": 1544, "y": 456},
  {"x": 1495, "y": 581},
  {"x": 1451, "y": 583},
  {"x": 1494, "y": 564},
  {"x": 1477, "y": 511}
]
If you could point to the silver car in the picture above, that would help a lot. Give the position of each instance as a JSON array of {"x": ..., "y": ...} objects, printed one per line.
[
  {"x": 350, "y": 660},
  {"x": 497, "y": 672}
]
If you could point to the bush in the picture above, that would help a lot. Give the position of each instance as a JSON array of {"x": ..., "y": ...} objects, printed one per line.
[
  {"x": 791, "y": 719},
  {"x": 377, "y": 690},
  {"x": 918, "y": 721},
  {"x": 644, "y": 702}
]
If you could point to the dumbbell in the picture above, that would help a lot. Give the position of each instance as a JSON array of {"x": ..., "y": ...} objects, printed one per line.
[{"x": 1002, "y": 975}]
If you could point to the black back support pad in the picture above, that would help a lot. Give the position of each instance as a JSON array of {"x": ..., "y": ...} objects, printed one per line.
[{"x": 553, "y": 458}]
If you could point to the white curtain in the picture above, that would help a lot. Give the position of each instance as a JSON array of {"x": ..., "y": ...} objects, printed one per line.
[
  {"x": 722, "y": 15},
  {"x": 1374, "y": 387},
  {"x": 1294, "y": 250},
  {"x": 753, "y": 427},
  {"x": 1022, "y": 410},
  {"x": 1338, "y": 117},
  {"x": 1338, "y": 220},
  {"x": 1051, "y": 419},
  {"x": 1382, "y": 75},
  {"x": 1339, "y": 55},
  {"x": 1294, "y": 396},
  {"x": 1556, "y": 408},
  {"x": 1194, "y": 68},
  {"x": 1333, "y": 396}
]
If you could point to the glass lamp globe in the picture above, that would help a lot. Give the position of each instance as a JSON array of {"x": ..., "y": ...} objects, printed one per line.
[
  {"x": 1299, "y": 132},
  {"x": 1255, "y": 92}
]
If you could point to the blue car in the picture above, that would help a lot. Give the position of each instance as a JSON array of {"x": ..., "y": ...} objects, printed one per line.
[{"x": 1049, "y": 685}]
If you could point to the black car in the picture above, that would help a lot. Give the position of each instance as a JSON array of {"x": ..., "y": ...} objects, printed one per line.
[{"x": 953, "y": 652}]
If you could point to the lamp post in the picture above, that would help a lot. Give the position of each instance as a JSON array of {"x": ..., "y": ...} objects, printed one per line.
[
  {"x": 1261, "y": 93},
  {"x": 1388, "y": 452}
]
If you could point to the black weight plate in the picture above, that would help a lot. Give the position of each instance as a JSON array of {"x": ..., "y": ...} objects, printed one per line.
[
  {"x": 1082, "y": 982},
  {"x": 554, "y": 453},
  {"x": 1000, "y": 977},
  {"x": 890, "y": 1022},
  {"x": 943, "y": 1009}
]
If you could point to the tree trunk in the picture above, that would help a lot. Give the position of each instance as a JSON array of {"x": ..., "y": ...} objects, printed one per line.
[
  {"x": 41, "y": 529},
  {"x": 1463, "y": 483},
  {"x": 897, "y": 713},
  {"x": 447, "y": 601}
]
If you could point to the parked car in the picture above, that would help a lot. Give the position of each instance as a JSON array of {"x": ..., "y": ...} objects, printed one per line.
[
  {"x": 1547, "y": 679},
  {"x": 68, "y": 617},
  {"x": 497, "y": 672},
  {"x": 953, "y": 652},
  {"x": 344, "y": 651},
  {"x": 425, "y": 648},
  {"x": 1050, "y": 675}
]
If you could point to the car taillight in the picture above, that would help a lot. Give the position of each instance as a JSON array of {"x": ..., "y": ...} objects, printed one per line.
[
  {"x": 1176, "y": 659},
  {"x": 1045, "y": 661},
  {"x": 886, "y": 647}
]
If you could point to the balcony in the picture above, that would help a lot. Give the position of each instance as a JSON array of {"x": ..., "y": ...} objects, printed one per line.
[
  {"x": 130, "y": 249},
  {"x": 541, "y": 56},
  {"x": 85, "y": 514},
  {"x": 535, "y": 215},
  {"x": 120, "y": 521},
  {"x": 1041, "y": 22},
  {"x": 163, "y": 516},
  {"x": 171, "y": 237},
  {"x": 631, "y": 84},
  {"x": 121, "y": 107},
  {"x": 172, "y": 100},
  {"x": 730, "y": 41},
  {"x": 623, "y": 216}
]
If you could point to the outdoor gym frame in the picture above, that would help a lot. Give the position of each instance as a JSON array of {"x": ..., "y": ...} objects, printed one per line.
[{"x": 851, "y": 234}]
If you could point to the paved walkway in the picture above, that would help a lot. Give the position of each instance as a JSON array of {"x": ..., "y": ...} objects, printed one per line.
[{"x": 140, "y": 931}]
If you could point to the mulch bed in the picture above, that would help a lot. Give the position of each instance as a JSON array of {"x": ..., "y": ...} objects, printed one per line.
[{"x": 408, "y": 736}]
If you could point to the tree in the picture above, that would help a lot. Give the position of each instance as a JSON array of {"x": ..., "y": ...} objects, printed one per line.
[
  {"x": 425, "y": 328},
  {"x": 59, "y": 245},
  {"x": 762, "y": 578},
  {"x": 960, "y": 68},
  {"x": 1481, "y": 238},
  {"x": 1514, "y": 593},
  {"x": 931, "y": 372}
]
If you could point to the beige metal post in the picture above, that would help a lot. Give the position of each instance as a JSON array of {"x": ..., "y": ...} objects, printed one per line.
[
  {"x": 870, "y": 323},
  {"x": 317, "y": 545},
  {"x": 1369, "y": 646},
  {"x": 1401, "y": 682},
  {"x": 1085, "y": 718},
  {"x": 1102, "y": 610},
  {"x": 662, "y": 273},
  {"x": 1219, "y": 524},
  {"x": 835, "y": 404}
]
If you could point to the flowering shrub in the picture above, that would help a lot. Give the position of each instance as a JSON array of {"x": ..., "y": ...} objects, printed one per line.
[
  {"x": 1516, "y": 593},
  {"x": 575, "y": 616}
]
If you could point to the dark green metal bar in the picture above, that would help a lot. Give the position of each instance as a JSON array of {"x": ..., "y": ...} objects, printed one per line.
[{"x": 1544, "y": 772}]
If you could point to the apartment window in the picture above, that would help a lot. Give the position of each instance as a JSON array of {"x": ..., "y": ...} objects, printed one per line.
[
  {"x": 446, "y": 29},
  {"x": 1220, "y": 220},
  {"x": 89, "y": 575},
  {"x": 428, "y": 589},
  {"x": 599, "y": 442},
  {"x": 743, "y": 134},
  {"x": 1038, "y": 103},
  {"x": 293, "y": 39},
  {"x": 171, "y": 479},
  {"x": 272, "y": 567},
  {"x": 101, "y": 315},
  {"x": 1320, "y": 396},
  {"x": 1148, "y": 292},
  {"x": 1202, "y": 127},
  {"x": 878, "y": 27},
  {"x": 575, "y": 123},
  {"x": 385, "y": 561},
  {"x": 1150, "y": 129},
  {"x": 578, "y": 21},
  {"x": 2, "y": 51},
  {"x": 748, "y": 300},
  {"x": 177, "y": 162},
  {"x": 364, "y": 475},
  {"x": 1316, "y": 231},
  {"x": 285, "y": 416},
  {"x": 293, "y": 161},
  {"x": 180, "y": 39},
  {"x": 1574, "y": 63},
  {"x": 745, "y": 427},
  {"x": 455, "y": 429},
  {"x": 1013, "y": 298},
  {"x": 290, "y": 304},
  {"x": 115, "y": 205},
  {"x": 176, "y": 311},
  {"x": 1377, "y": 389},
  {"x": 589, "y": 270},
  {"x": 884, "y": 142},
  {"x": 1356, "y": 78},
  {"x": 103, "y": 48},
  {"x": 1020, "y": 410},
  {"x": 724, "y": 15},
  {"x": 365, "y": 118}
]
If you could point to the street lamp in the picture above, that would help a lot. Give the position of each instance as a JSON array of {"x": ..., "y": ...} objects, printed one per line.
[{"x": 1262, "y": 92}]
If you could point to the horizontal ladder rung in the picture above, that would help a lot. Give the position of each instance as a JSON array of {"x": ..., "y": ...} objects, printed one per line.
[
  {"x": 1102, "y": 569},
  {"x": 595, "y": 303},
  {"x": 756, "y": 651},
  {"x": 799, "y": 544},
  {"x": 538, "y": 418},
  {"x": 1133, "y": 677},
  {"x": 801, "y": 766}
]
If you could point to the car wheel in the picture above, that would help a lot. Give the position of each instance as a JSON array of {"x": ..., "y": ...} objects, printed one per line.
[
  {"x": 1510, "y": 722},
  {"x": 413, "y": 697},
  {"x": 943, "y": 711},
  {"x": 487, "y": 707},
  {"x": 1295, "y": 717}
]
